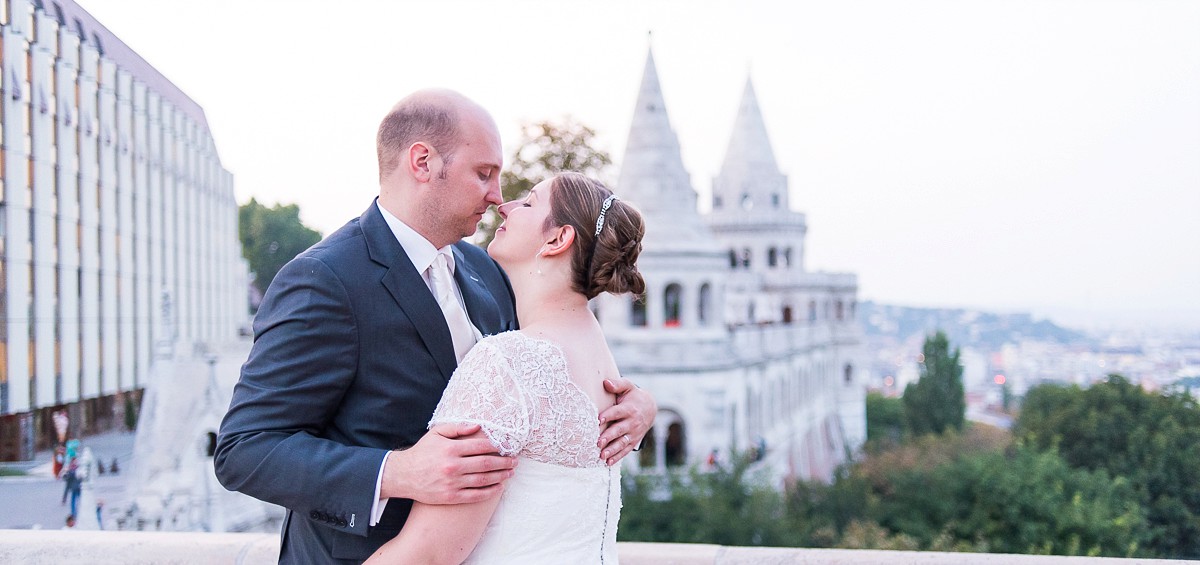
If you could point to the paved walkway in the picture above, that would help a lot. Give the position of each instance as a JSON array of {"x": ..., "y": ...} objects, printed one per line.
[{"x": 34, "y": 501}]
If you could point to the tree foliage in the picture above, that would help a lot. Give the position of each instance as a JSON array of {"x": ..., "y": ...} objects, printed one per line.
[
  {"x": 937, "y": 401},
  {"x": 546, "y": 148},
  {"x": 271, "y": 237},
  {"x": 729, "y": 506},
  {"x": 1150, "y": 439},
  {"x": 885, "y": 420}
]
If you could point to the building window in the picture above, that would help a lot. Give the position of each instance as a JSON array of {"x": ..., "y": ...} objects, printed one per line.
[
  {"x": 848, "y": 373},
  {"x": 676, "y": 448},
  {"x": 637, "y": 311},
  {"x": 775, "y": 200},
  {"x": 747, "y": 202},
  {"x": 746, "y": 258},
  {"x": 787, "y": 257},
  {"x": 839, "y": 309},
  {"x": 772, "y": 257},
  {"x": 672, "y": 299},
  {"x": 787, "y": 314},
  {"x": 716, "y": 202},
  {"x": 812, "y": 310},
  {"x": 705, "y": 303},
  {"x": 733, "y": 259}
]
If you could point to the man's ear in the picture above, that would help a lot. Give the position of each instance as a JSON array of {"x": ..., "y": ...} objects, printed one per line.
[
  {"x": 421, "y": 161},
  {"x": 563, "y": 238}
]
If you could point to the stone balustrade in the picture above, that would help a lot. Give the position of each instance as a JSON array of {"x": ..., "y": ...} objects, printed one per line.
[{"x": 134, "y": 548}]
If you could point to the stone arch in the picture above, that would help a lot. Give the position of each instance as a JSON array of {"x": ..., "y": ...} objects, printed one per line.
[
  {"x": 704, "y": 306},
  {"x": 637, "y": 311},
  {"x": 672, "y": 305}
]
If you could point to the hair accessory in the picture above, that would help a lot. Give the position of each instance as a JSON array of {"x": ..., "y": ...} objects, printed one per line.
[{"x": 603, "y": 210}]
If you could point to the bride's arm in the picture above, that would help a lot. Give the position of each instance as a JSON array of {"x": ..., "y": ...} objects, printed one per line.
[{"x": 437, "y": 533}]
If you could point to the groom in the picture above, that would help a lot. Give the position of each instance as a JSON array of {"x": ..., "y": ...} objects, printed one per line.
[{"x": 352, "y": 350}]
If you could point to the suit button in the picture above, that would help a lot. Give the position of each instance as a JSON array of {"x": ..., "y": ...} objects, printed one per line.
[
  {"x": 314, "y": 515},
  {"x": 341, "y": 523}
]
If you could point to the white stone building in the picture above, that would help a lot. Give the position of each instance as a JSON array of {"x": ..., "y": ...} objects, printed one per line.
[
  {"x": 114, "y": 204},
  {"x": 743, "y": 348}
]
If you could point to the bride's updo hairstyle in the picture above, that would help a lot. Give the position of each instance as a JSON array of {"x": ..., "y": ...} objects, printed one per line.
[{"x": 600, "y": 263}]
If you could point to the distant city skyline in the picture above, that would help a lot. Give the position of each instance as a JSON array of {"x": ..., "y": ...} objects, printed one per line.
[{"x": 1041, "y": 156}]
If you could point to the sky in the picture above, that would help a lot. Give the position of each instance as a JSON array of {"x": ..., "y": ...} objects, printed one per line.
[{"x": 1017, "y": 155}]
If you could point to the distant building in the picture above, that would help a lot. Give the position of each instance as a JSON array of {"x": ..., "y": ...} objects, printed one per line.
[
  {"x": 744, "y": 349},
  {"x": 114, "y": 207}
]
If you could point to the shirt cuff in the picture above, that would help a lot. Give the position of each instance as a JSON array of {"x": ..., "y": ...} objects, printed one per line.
[{"x": 380, "y": 504}]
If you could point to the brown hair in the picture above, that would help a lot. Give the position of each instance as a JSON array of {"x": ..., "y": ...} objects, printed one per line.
[
  {"x": 410, "y": 122},
  {"x": 603, "y": 263}
]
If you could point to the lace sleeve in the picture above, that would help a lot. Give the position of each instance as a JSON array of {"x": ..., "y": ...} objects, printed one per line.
[{"x": 485, "y": 390}]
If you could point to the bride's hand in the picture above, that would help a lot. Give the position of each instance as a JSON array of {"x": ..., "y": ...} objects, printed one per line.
[{"x": 624, "y": 424}]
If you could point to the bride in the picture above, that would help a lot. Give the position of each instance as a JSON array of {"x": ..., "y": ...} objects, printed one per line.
[{"x": 536, "y": 392}]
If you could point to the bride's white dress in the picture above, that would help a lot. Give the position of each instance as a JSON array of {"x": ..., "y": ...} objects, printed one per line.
[{"x": 563, "y": 502}]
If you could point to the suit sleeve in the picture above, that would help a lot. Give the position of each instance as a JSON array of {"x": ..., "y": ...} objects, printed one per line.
[{"x": 305, "y": 356}]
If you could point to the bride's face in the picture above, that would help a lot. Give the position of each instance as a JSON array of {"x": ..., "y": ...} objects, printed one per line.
[{"x": 522, "y": 235}]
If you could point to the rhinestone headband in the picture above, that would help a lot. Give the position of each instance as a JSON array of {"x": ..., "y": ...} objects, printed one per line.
[{"x": 603, "y": 210}]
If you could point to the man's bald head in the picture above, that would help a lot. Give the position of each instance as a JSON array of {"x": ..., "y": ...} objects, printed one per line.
[{"x": 431, "y": 116}]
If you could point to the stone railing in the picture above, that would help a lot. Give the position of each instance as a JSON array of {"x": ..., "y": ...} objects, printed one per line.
[{"x": 136, "y": 548}]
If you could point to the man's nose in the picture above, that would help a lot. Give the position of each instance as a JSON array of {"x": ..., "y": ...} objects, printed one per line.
[{"x": 493, "y": 195}]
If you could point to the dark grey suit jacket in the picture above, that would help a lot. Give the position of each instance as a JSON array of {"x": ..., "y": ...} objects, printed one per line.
[{"x": 351, "y": 355}]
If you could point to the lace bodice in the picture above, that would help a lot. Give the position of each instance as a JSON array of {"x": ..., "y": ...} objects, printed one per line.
[
  {"x": 517, "y": 388},
  {"x": 563, "y": 504}
]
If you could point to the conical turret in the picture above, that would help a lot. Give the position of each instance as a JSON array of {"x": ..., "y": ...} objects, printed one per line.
[
  {"x": 750, "y": 180},
  {"x": 652, "y": 172}
]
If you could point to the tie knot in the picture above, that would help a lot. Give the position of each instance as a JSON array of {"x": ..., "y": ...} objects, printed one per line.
[{"x": 444, "y": 259}]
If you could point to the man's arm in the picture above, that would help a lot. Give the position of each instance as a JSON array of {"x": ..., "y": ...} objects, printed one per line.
[
  {"x": 451, "y": 464},
  {"x": 305, "y": 356},
  {"x": 624, "y": 424}
]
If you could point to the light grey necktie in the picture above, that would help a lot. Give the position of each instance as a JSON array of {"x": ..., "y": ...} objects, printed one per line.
[{"x": 441, "y": 282}]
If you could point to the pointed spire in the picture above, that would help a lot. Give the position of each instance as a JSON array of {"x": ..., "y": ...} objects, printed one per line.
[
  {"x": 652, "y": 172},
  {"x": 750, "y": 177}
]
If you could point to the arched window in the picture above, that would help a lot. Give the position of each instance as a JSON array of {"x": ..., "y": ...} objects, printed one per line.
[
  {"x": 746, "y": 257},
  {"x": 705, "y": 303},
  {"x": 747, "y": 202},
  {"x": 787, "y": 314},
  {"x": 840, "y": 310},
  {"x": 716, "y": 202},
  {"x": 672, "y": 304},
  {"x": 849, "y": 373},
  {"x": 210, "y": 447},
  {"x": 646, "y": 457},
  {"x": 787, "y": 257},
  {"x": 733, "y": 259},
  {"x": 774, "y": 199},
  {"x": 637, "y": 311},
  {"x": 676, "y": 445},
  {"x": 772, "y": 257}
]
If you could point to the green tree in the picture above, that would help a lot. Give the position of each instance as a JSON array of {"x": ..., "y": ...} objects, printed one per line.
[
  {"x": 271, "y": 237},
  {"x": 885, "y": 419},
  {"x": 728, "y": 506},
  {"x": 1151, "y": 439},
  {"x": 937, "y": 401},
  {"x": 546, "y": 148}
]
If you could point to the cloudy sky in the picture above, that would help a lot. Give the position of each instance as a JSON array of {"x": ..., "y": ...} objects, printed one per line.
[{"x": 1037, "y": 155}]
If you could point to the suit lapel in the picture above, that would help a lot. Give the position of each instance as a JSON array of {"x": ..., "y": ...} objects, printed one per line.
[
  {"x": 409, "y": 290},
  {"x": 481, "y": 306}
]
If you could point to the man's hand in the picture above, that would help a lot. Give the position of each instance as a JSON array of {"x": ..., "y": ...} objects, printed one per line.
[
  {"x": 624, "y": 424},
  {"x": 450, "y": 464}
]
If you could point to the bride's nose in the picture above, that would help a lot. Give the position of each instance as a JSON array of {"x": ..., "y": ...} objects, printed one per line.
[{"x": 504, "y": 208}]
